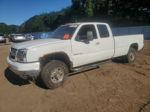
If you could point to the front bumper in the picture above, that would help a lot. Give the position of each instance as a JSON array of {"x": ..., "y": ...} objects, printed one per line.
[{"x": 24, "y": 70}]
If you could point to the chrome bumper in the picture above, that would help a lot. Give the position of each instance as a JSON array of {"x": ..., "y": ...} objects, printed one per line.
[{"x": 24, "y": 70}]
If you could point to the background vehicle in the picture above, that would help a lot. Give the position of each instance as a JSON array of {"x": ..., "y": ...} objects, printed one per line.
[
  {"x": 41, "y": 35},
  {"x": 29, "y": 37},
  {"x": 2, "y": 38},
  {"x": 71, "y": 48},
  {"x": 18, "y": 38}
]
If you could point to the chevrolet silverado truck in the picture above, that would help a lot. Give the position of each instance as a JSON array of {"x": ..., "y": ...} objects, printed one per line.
[{"x": 72, "y": 47}]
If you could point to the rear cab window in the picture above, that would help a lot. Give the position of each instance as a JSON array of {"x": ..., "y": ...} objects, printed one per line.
[{"x": 103, "y": 31}]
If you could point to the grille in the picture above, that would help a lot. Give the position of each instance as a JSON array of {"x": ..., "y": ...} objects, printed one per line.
[{"x": 13, "y": 53}]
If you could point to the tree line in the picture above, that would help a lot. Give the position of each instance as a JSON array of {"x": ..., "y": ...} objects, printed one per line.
[
  {"x": 117, "y": 13},
  {"x": 8, "y": 29}
]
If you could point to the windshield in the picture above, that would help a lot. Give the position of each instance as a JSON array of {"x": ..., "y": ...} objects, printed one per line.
[{"x": 64, "y": 30}]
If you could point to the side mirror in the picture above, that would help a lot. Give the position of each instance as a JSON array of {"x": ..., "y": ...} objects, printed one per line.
[{"x": 90, "y": 35}]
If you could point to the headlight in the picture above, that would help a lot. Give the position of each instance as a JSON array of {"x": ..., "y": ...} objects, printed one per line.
[{"x": 21, "y": 55}]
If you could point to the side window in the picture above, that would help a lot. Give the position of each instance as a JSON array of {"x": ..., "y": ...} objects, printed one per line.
[
  {"x": 82, "y": 34},
  {"x": 103, "y": 31}
]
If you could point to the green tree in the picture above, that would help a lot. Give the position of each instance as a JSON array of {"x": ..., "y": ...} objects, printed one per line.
[
  {"x": 116, "y": 12},
  {"x": 88, "y": 8},
  {"x": 35, "y": 24},
  {"x": 7, "y": 29}
]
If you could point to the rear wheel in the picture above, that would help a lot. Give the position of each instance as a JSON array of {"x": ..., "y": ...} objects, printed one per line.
[
  {"x": 131, "y": 56},
  {"x": 54, "y": 74}
]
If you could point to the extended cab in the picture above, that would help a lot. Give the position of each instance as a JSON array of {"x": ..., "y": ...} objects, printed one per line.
[{"x": 72, "y": 47}]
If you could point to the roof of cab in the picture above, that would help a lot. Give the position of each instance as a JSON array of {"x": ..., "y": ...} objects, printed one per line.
[{"x": 78, "y": 23}]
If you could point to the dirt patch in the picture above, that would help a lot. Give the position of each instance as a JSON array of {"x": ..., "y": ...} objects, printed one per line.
[{"x": 114, "y": 87}]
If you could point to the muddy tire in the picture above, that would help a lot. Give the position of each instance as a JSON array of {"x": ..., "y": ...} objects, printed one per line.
[
  {"x": 131, "y": 56},
  {"x": 54, "y": 74}
]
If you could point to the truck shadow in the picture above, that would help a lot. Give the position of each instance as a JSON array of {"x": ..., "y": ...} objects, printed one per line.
[
  {"x": 118, "y": 60},
  {"x": 14, "y": 79},
  {"x": 40, "y": 83}
]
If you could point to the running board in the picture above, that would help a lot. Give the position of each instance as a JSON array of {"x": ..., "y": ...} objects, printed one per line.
[{"x": 89, "y": 66}]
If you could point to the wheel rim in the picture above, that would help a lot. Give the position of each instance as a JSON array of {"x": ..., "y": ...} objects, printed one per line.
[
  {"x": 57, "y": 75},
  {"x": 131, "y": 56}
]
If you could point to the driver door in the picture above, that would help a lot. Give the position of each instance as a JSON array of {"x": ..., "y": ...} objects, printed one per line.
[{"x": 85, "y": 51}]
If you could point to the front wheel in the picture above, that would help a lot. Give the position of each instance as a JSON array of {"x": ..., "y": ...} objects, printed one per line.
[{"x": 54, "y": 74}]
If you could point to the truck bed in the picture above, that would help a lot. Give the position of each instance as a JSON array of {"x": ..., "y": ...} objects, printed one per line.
[{"x": 123, "y": 43}]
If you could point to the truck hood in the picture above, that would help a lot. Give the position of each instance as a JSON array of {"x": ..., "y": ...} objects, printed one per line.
[{"x": 36, "y": 43}]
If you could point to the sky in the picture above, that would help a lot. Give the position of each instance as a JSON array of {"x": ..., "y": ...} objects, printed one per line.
[{"x": 18, "y": 11}]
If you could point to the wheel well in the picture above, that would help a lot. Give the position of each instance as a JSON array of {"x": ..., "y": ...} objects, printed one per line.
[
  {"x": 56, "y": 56},
  {"x": 135, "y": 46}
]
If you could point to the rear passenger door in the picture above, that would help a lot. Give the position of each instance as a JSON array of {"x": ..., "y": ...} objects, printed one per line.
[{"x": 106, "y": 41}]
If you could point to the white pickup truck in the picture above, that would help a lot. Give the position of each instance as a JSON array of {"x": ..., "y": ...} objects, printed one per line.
[{"x": 71, "y": 48}]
